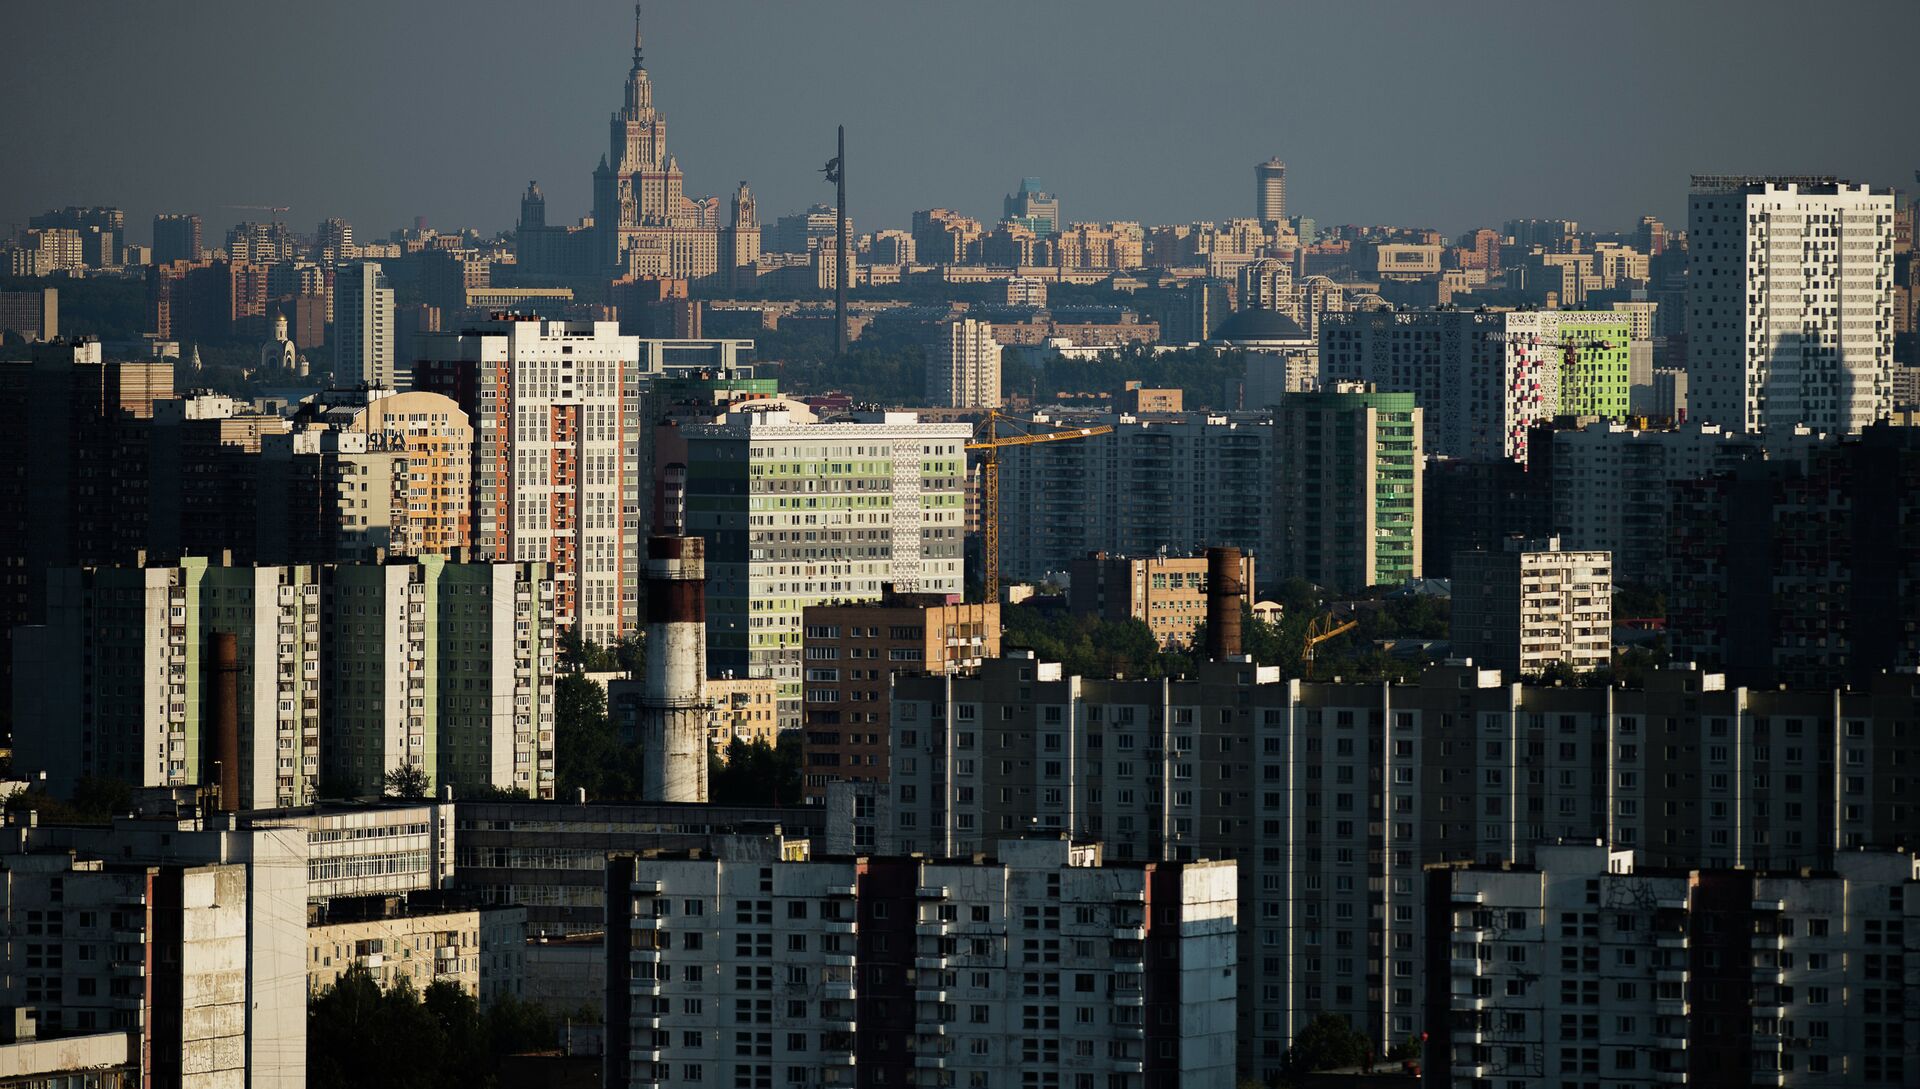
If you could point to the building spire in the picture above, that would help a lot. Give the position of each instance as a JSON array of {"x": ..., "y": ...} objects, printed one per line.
[{"x": 637, "y": 62}]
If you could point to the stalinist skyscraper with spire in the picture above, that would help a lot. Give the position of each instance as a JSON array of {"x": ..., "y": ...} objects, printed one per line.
[{"x": 644, "y": 223}]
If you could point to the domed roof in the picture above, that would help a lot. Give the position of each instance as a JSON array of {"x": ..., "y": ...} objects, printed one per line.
[{"x": 1254, "y": 325}]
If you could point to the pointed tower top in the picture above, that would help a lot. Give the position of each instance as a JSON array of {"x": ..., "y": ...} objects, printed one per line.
[{"x": 636, "y": 35}]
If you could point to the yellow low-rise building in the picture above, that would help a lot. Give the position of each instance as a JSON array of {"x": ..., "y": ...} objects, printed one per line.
[{"x": 481, "y": 951}]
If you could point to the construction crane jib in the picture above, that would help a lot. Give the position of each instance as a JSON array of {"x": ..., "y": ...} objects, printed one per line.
[{"x": 990, "y": 442}]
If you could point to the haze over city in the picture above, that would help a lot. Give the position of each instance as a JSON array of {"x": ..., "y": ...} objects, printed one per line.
[{"x": 1441, "y": 115}]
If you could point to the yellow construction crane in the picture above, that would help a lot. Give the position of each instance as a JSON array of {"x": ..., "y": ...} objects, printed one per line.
[
  {"x": 990, "y": 444},
  {"x": 1319, "y": 630}
]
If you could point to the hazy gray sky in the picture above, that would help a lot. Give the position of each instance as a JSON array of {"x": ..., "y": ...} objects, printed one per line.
[{"x": 1445, "y": 114}]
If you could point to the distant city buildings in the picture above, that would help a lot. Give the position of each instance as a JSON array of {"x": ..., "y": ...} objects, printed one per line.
[
  {"x": 176, "y": 237},
  {"x": 1180, "y": 482},
  {"x": 363, "y": 329},
  {"x": 1270, "y": 191},
  {"x": 963, "y": 365},
  {"x": 1485, "y": 378},
  {"x": 1789, "y": 303},
  {"x": 1032, "y": 208}
]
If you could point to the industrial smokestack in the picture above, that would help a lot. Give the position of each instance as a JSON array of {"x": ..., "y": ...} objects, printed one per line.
[
  {"x": 673, "y": 726},
  {"x": 220, "y": 757},
  {"x": 1225, "y": 592}
]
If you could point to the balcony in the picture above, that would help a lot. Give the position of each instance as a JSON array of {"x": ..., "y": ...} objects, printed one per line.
[
  {"x": 1465, "y": 966},
  {"x": 1668, "y": 1077},
  {"x": 930, "y": 964},
  {"x": 838, "y": 926},
  {"x": 1769, "y": 976},
  {"x": 643, "y": 886},
  {"x": 1469, "y": 896},
  {"x": 842, "y": 891},
  {"x": 1129, "y": 933},
  {"x": 1670, "y": 941},
  {"x": 1670, "y": 1043},
  {"x": 930, "y": 995},
  {"x": 642, "y": 956},
  {"x": 643, "y": 1055},
  {"x": 1129, "y": 1066},
  {"x": 1769, "y": 905},
  {"x": 643, "y": 986},
  {"x": 930, "y": 1062},
  {"x": 1671, "y": 975},
  {"x": 644, "y": 922},
  {"x": 931, "y": 892}
]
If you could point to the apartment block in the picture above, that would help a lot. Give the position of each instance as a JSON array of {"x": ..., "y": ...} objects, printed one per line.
[
  {"x": 197, "y": 955},
  {"x": 1531, "y": 605},
  {"x": 364, "y": 329},
  {"x": 367, "y": 474},
  {"x": 1584, "y": 967},
  {"x": 851, "y": 653},
  {"x": 342, "y": 673},
  {"x": 1473, "y": 506},
  {"x": 550, "y": 858},
  {"x": 423, "y": 939},
  {"x": 798, "y": 511},
  {"x": 1484, "y": 378},
  {"x": 444, "y": 667},
  {"x": 560, "y": 474},
  {"x": 1167, "y": 593},
  {"x": 1348, "y": 491},
  {"x": 1789, "y": 303},
  {"x": 1183, "y": 483},
  {"x": 743, "y": 709},
  {"x": 1039, "y": 964},
  {"x": 1332, "y": 797},
  {"x": 1611, "y": 484},
  {"x": 1802, "y": 571},
  {"x": 963, "y": 365}
]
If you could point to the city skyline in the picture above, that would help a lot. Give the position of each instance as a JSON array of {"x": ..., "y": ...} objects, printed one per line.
[{"x": 1359, "y": 149}]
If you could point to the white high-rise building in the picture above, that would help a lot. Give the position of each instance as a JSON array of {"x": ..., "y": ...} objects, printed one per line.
[
  {"x": 800, "y": 512},
  {"x": 560, "y": 466},
  {"x": 363, "y": 326},
  {"x": 963, "y": 365},
  {"x": 1789, "y": 303}
]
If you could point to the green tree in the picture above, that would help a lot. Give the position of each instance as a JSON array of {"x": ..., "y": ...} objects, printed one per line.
[
  {"x": 406, "y": 781},
  {"x": 756, "y": 773},
  {"x": 1327, "y": 1043}
]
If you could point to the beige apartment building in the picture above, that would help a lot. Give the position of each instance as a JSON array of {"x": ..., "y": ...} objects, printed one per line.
[
  {"x": 481, "y": 951},
  {"x": 1167, "y": 593},
  {"x": 747, "y": 708}
]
